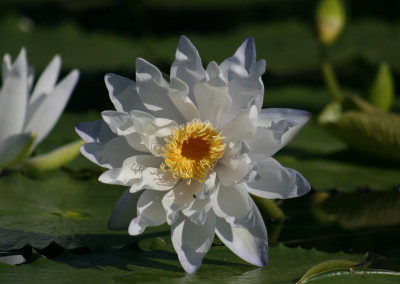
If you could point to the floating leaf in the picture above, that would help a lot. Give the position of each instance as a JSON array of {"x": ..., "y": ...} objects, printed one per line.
[
  {"x": 356, "y": 276},
  {"x": 381, "y": 92},
  {"x": 326, "y": 266},
  {"x": 157, "y": 263},
  {"x": 73, "y": 213}
]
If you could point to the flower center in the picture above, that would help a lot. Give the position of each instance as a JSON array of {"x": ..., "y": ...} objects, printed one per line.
[{"x": 192, "y": 150}]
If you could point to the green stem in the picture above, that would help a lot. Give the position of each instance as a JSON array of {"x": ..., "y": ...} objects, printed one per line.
[{"x": 331, "y": 81}]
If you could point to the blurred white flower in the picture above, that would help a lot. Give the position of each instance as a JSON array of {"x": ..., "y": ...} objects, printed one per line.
[
  {"x": 25, "y": 120},
  {"x": 192, "y": 149}
]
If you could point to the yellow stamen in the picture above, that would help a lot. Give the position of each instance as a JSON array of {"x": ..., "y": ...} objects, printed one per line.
[{"x": 192, "y": 150}]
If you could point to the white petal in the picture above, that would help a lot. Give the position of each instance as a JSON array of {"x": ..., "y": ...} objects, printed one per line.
[
  {"x": 245, "y": 91},
  {"x": 187, "y": 65},
  {"x": 191, "y": 241},
  {"x": 6, "y": 66},
  {"x": 209, "y": 186},
  {"x": 235, "y": 205},
  {"x": 268, "y": 140},
  {"x": 212, "y": 96},
  {"x": 109, "y": 154},
  {"x": 198, "y": 209},
  {"x": 122, "y": 124},
  {"x": 153, "y": 90},
  {"x": 94, "y": 131},
  {"x": 280, "y": 125},
  {"x": 179, "y": 96},
  {"x": 235, "y": 170},
  {"x": 242, "y": 127},
  {"x": 123, "y": 93},
  {"x": 124, "y": 211},
  {"x": 179, "y": 198},
  {"x": 240, "y": 63},
  {"x": 46, "y": 114},
  {"x": 154, "y": 178},
  {"x": 278, "y": 182},
  {"x": 46, "y": 81},
  {"x": 14, "y": 98},
  {"x": 150, "y": 212},
  {"x": 15, "y": 149},
  {"x": 115, "y": 119},
  {"x": 249, "y": 244},
  {"x": 153, "y": 130},
  {"x": 131, "y": 171}
]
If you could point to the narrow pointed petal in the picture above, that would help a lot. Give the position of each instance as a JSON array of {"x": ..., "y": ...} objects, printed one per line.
[
  {"x": 235, "y": 205},
  {"x": 14, "y": 97},
  {"x": 123, "y": 93},
  {"x": 150, "y": 212},
  {"x": 246, "y": 90},
  {"x": 187, "y": 65},
  {"x": 124, "y": 211},
  {"x": 94, "y": 131},
  {"x": 15, "y": 149},
  {"x": 191, "y": 241},
  {"x": 6, "y": 67},
  {"x": 48, "y": 112},
  {"x": 268, "y": 116},
  {"x": 179, "y": 97},
  {"x": 278, "y": 182},
  {"x": 212, "y": 96},
  {"x": 115, "y": 119},
  {"x": 276, "y": 128},
  {"x": 238, "y": 66},
  {"x": 46, "y": 82},
  {"x": 249, "y": 244},
  {"x": 153, "y": 91},
  {"x": 109, "y": 154}
]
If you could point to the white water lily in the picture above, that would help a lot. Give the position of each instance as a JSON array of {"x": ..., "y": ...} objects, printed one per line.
[
  {"x": 192, "y": 149},
  {"x": 25, "y": 120}
]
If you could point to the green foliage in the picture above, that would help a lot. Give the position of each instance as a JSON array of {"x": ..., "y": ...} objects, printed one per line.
[
  {"x": 381, "y": 92},
  {"x": 364, "y": 128}
]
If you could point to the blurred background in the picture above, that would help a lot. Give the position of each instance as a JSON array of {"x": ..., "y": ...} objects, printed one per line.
[{"x": 103, "y": 36}]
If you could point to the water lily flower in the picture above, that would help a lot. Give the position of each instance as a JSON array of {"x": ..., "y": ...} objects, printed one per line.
[
  {"x": 25, "y": 120},
  {"x": 193, "y": 149}
]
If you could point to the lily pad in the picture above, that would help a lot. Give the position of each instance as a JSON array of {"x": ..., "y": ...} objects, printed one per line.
[
  {"x": 70, "y": 212},
  {"x": 158, "y": 264}
]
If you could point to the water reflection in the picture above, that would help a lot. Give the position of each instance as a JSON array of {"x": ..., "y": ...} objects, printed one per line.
[{"x": 356, "y": 223}]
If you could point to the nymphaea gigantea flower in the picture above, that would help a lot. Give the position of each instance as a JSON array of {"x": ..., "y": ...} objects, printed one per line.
[
  {"x": 28, "y": 114},
  {"x": 192, "y": 149}
]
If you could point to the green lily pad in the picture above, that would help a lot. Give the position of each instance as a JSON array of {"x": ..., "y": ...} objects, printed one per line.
[
  {"x": 356, "y": 276},
  {"x": 70, "y": 212},
  {"x": 157, "y": 263}
]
